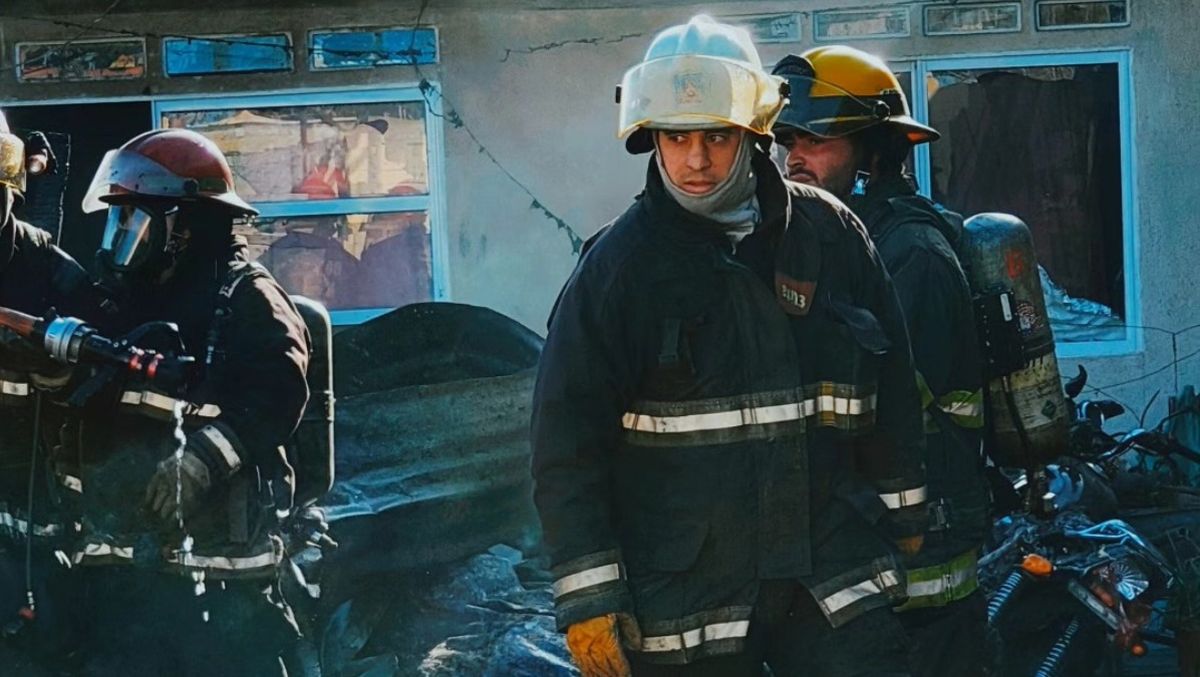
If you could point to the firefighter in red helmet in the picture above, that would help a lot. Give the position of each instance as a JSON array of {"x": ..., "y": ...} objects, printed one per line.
[{"x": 182, "y": 486}]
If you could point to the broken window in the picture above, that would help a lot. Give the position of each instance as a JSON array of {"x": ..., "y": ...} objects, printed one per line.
[
  {"x": 318, "y": 152},
  {"x": 348, "y": 210},
  {"x": 1043, "y": 143},
  {"x": 349, "y": 261}
]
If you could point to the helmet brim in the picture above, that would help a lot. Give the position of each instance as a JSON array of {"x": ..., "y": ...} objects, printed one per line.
[{"x": 916, "y": 132}]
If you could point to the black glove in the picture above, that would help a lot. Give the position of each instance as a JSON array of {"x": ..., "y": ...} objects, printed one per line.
[{"x": 39, "y": 155}]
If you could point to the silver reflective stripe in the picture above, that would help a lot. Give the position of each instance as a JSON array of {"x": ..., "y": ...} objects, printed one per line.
[
  {"x": 73, "y": 483},
  {"x": 103, "y": 550},
  {"x": 223, "y": 445},
  {"x": 872, "y": 586},
  {"x": 750, "y": 416},
  {"x": 14, "y": 388},
  {"x": 22, "y": 526},
  {"x": 938, "y": 586},
  {"x": 693, "y": 638},
  {"x": 905, "y": 499},
  {"x": 586, "y": 579},
  {"x": 167, "y": 404},
  {"x": 718, "y": 420},
  {"x": 845, "y": 406},
  {"x": 267, "y": 559}
]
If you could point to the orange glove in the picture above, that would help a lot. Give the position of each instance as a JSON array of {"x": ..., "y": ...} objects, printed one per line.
[
  {"x": 910, "y": 545},
  {"x": 596, "y": 647}
]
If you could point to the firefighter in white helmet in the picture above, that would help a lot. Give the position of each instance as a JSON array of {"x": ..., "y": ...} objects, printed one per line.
[{"x": 726, "y": 430}]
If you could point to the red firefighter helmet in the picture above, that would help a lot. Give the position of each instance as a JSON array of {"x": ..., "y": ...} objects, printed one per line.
[
  {"x": 165, "y": 163},
  {"x": 144, "y": 183}
]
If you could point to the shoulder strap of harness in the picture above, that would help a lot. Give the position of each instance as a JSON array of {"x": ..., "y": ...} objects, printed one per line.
[{"x": 238, "y": 272}]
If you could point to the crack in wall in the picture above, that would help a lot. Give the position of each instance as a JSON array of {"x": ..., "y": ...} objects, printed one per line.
[{"x": 597, "y": 40}]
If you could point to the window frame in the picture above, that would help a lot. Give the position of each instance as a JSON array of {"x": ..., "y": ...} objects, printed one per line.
[
  {"x": 1133, "y": 341},
  {"x": 432, "y": 204}
]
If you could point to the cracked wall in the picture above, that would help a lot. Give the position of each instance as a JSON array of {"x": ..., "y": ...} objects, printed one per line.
[{"x": 535, "y": 87}]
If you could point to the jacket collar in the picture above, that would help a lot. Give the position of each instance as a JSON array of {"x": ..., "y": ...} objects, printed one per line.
[
  {"x": 684, "y": 226},
  {"x": 873, "y": 207}
]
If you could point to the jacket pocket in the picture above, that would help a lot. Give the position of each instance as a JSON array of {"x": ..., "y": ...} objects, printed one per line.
[
  {"x": 845, "y": 348},
  {"x": 862, "y": 326},
  {"x": 672, "y": 548}
]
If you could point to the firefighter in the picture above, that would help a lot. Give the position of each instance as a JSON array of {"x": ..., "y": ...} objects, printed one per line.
[
  {"x": 726, "y": 424},
  {"x": 847, "y": 129},
  {"x": 35, "y": 275},
  {"x": 182, "y": 483}
]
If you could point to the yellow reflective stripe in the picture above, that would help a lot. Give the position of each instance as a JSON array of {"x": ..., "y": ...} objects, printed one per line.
[
  {"x": 845, "y": 406},
  {"x": 872, "y": 586},
  {"x": 832, "y": 403},
  {"x": 904, "y": 499},
  {"x": 167, "y": 404},
  {"x": 223, "y": 445},
  {"x": 586, "y": 579},
  {"x": 965, "y": 407},
  {"x": 941, "y": 584},
  {"x": 693, "y": 638},
  {"x": 14, "y": 388},
  {"x": 718, "y": 420},
  {"x": 923, "y": 388}
]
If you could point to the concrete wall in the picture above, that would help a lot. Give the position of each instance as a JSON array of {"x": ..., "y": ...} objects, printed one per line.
[{"x": 535, "y": 88}]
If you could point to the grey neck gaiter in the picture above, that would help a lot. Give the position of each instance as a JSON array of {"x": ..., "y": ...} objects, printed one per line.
[{"x": 733, "y": 203}]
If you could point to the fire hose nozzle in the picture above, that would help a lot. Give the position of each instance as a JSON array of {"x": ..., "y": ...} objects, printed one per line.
[{"x": 63, "y": 337}]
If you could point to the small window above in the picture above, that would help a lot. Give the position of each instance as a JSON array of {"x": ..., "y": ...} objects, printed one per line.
[
  {"x": 368, "y": 48},
  {"x": 217, "y": 54}
]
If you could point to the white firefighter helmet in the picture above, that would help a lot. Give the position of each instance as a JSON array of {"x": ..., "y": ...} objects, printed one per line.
[{"x": 700, "y": 75}]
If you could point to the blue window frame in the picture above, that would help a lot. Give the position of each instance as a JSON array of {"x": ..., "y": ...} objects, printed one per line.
[{"x": 350, "y": 186}]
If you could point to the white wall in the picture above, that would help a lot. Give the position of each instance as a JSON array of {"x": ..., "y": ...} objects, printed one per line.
[{"x": 546, "y": 113}]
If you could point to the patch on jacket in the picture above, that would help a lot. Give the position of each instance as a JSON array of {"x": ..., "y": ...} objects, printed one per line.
[{"x": 794, "y": 296}]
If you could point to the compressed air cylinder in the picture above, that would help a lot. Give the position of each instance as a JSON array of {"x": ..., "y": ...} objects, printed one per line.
[{"x": 1026, "y": 409}]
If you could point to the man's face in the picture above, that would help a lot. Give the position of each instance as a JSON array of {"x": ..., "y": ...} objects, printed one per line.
[
  {"x": 698, "y": 161},
  {"x": 828, "y": 163}
]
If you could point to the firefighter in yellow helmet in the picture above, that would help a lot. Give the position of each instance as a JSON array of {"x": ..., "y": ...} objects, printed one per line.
[
  {"x": 726, "y": 424},
  {"x": 37, "y": 592},
  {"x": 847, "y": 129}
]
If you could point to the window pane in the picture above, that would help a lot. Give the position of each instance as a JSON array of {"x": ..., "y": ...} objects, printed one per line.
[
  {"x": 369, "y": 48},
  {"x": 227, "y": 54},
  {"x": 1043, "y": 144},
  {"x": 349, "y": 261},
  {"x": 319, "y": 152}
]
